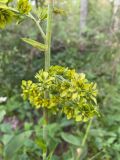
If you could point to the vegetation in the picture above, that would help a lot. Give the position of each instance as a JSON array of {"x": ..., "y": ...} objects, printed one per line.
[{"x": 94, "y": 52}]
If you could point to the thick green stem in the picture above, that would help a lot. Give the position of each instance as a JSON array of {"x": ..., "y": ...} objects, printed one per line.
[
  {"x": 47, "y": 65},
  {"x": 48, "y": 35}
]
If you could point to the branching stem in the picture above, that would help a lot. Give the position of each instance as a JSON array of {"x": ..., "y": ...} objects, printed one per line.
[{"x": 38, "y": 25}]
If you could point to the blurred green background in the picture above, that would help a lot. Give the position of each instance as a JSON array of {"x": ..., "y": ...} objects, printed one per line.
[{"x": 87, "y": 39}]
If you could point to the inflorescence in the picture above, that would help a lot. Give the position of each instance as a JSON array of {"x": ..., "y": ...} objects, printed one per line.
[{"x": 62, "y": 90}]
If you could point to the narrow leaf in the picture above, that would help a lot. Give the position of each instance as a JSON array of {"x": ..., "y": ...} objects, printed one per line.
[{"x": 40, "y": 46}]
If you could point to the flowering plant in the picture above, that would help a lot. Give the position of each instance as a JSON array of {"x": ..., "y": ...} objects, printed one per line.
[{"x": 57, "y": 89}]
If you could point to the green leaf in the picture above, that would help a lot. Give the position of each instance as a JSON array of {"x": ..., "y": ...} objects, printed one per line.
[
  {"x": 6, "y": 138},
  {"x": 2, "y": 114},
  {"x": 15, "y": 144},
  {"x": 40, "y": 46},
  {"x": 6, "y": 128},
  {"x": 66, "y": 123},
  {"x": 75, "y": 140},
  {"x": 53, "y": 129}
]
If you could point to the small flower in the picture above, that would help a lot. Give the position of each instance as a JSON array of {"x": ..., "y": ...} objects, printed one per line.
[{"x": 24, "y": 6}]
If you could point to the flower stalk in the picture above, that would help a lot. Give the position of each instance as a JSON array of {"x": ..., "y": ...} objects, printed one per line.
[
  {"x": 48, "y": 35},
  {"x": 85, "y": 137},
  {"x": 87, "y": 132},
  {"x": 47, "y": 64}
]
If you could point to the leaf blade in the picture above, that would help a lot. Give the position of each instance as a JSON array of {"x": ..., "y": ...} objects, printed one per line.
[
  {"x": 74, "y": 140},
  {"x": 15, "y": 143},
  {"x": 40, "y": 46}
]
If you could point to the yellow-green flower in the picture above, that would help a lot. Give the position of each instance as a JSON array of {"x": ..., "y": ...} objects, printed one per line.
[
  {"x": 24, "y": 6},
  {"x": 67, "y": 91},
  {"x": 6, "y": 17}
]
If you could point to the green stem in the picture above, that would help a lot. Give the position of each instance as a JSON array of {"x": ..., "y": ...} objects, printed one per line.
[
  {"x": 87, "y": 132},
  {"x": 85, "y": 137},
  {"x": 38, "y": 25},
  {"x": 47, "y": 65},
  {"x": 45, "y": 115},
  {"x": 48, "y": 35}
]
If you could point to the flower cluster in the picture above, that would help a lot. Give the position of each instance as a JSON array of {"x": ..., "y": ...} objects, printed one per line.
[
  {"x": 62, "y": 90},
  {"x": 24, "y": 6},
  {"x": 8, "y": 14},
  {"x": 6, "y": 17}
]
